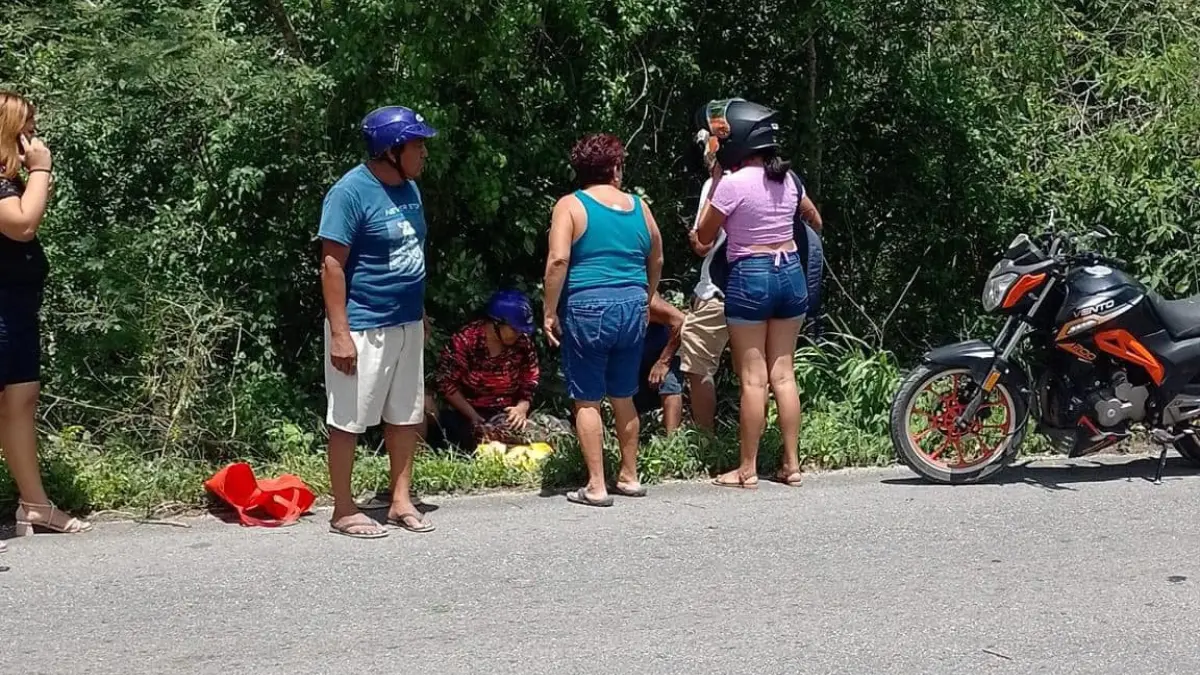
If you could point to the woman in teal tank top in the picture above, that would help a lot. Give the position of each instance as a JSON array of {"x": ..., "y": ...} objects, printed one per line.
[{"x": 604, "y": 264}]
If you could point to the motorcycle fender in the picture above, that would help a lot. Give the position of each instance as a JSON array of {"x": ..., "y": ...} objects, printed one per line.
[{"x": 978, "y": 357}]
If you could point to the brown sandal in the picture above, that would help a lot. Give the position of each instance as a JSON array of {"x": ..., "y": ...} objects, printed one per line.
[
  {"x": 358, "y": 528},
  {"x": 403, "y": 519},
  {"x": 740, "y": 484},
  {"x": 790, "y": 479}
]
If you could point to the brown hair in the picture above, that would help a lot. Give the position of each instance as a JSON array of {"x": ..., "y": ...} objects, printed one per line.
[
  {"x": 15, "y": 111},
  {"x": 596, "y": 157}
]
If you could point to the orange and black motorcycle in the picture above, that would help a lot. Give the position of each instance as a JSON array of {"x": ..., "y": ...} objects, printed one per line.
[{"x": 1101, "y": 357}]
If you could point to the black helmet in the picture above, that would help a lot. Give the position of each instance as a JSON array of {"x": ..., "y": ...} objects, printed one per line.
[{"x": 742, "y": 128}]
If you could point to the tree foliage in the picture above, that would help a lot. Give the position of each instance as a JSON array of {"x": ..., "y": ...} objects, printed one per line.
[{"x": 195, "y": 139}]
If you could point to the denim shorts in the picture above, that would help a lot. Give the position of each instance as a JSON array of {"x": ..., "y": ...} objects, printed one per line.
[
  {"x": 20, "y": 337},
  {"x": 648, "y": 398},
  {"x": 766, "y": 286},
  {"x": 603, "y": 333}
]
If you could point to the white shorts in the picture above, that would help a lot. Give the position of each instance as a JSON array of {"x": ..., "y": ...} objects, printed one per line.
[{"x": 388, "y": 384}]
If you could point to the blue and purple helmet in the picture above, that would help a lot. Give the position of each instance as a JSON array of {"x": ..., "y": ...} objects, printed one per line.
[
  {"x": 513, "y": 308},
  {"x": 385, "y": 128}
]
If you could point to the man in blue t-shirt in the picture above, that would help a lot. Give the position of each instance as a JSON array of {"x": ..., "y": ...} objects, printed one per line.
[{"x": 373, "y": 281}]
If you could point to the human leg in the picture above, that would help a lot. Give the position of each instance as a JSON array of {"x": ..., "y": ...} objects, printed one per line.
[
  {"x": 701, "y": 344},
  {"x": 748, "y": 305},
  {"x": 671, "y": 391},
  {"x": 457, "y": 429},
  {"x": 747, "y": 341},
  {"x": 625, "y": 329},
  {"x": 782, "y": 331},
  {"x": 781, "y": 347},
  {"x": 20, "y": 388},
  {"x": 353, "y": 403},
  {"x": 403, "y": 410},
  {"x": 585, "y": 360}
]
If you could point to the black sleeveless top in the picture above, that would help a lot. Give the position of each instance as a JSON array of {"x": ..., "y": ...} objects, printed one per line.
[{"x": 23, "y": 265}]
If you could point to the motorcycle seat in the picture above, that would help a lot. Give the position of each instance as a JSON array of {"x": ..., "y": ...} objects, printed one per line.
[{"x": 1181, "y": 318}]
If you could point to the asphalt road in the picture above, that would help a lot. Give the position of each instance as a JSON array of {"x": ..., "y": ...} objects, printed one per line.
[{"x": 1056, "y": 570}]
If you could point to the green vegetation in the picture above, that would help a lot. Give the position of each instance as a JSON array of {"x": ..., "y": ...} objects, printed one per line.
[{"x": 194, "y": 140}]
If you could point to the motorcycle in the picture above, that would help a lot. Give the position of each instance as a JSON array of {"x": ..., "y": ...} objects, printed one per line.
[{"x": 1101, "y": 357}]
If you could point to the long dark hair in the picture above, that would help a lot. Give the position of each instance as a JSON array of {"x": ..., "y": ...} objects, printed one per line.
[{"x": 776, "y": 167}]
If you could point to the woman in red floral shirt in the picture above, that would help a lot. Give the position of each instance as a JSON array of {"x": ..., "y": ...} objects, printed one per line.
[{"x": 488, "y": 370}]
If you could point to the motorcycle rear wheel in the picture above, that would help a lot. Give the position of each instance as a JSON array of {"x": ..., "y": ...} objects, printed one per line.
[{"x": 926, "y": 458}]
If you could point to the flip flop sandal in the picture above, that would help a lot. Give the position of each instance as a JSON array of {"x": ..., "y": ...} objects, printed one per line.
[
  {"x": 401, "y": 521},
  {"x": 345, "y": 531},
  {"x": 580, "y": 496},
  {"x": 740, "y": 485},
  {"x": 787, "y": 480},
  {"x": 639, "y": 492}
]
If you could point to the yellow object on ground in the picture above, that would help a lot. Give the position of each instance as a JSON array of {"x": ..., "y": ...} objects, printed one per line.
[
  {"x": 525, "y": 457},
  {"x": 492, "y": 449}
]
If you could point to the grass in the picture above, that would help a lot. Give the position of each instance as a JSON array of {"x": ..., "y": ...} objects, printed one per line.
[
  {"x": 84, "y": 478},
  {"x": 845, "y": 386}
]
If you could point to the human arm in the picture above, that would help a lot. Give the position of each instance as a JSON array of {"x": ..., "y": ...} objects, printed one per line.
[
  {"x": 562, "y": 231},
  {"x": 342, "y": 351},
  {"x": 21, "y": 214},
  {"x": 808, "y": 211},
  {"x": 654, "y": 261},
  {"x": 527, "y": 382},
  {"x": 339, "y": 225},
  {"x": 722, "y": 200},
  {"x": 699, "y": 249},
  {"x": 664, "y": 313},
  {"x": 452, "y": 367}
]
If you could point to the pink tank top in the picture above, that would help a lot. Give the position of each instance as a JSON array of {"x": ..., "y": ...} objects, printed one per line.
[{"x": 757, "y": 209}]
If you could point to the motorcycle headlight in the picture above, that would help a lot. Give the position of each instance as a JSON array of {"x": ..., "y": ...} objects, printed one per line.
[{"x": 995, "y": 289}]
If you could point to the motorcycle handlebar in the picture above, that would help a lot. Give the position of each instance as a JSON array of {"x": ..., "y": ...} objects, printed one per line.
[{"x": 1097, "y": 259}]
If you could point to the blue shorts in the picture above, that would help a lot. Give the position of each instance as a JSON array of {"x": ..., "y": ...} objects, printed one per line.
[
  {"x": 766, "y": 286},
  {"x": 603, "y": 333},
  {"x": 648, "y": 398},
  {"x": 20, "y": 337}
]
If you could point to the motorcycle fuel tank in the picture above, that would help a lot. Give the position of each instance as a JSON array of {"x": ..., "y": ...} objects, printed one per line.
[{"x": 1098, "y": 290}]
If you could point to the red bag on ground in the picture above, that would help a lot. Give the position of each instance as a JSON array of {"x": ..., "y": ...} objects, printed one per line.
[{"x": 282, "y": 500}]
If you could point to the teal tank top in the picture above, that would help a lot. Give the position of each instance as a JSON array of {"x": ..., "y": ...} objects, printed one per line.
[{"x": 613, "y": 248}]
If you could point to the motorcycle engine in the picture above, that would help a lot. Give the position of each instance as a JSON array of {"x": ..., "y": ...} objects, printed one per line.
[
  {"x": 1117, "y": 403},
  {"x": 1110, "y": 400}
]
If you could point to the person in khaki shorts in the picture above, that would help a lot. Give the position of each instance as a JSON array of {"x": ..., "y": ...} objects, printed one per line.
[
  {"x": 373, "y": 281},
  {"x": 704, "y": 333}
]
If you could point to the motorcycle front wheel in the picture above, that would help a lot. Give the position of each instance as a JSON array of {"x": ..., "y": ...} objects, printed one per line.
[{"x": 927, "y": 440}]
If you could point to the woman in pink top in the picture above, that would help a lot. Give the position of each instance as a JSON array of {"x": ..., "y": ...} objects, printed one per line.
[{"x": 766, "y": 295}]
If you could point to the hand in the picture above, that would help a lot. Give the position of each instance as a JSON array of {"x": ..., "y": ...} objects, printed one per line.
[
  {"x": 343, "y": 353},
  {"x": 716, "y": 172},
  {"x": 428, "y": 327},
  {"x": 36, "y": 156},
  {"x": 700, "y": 249},
  {"x": 553, "y": 330},
  {"x": 518, "y": 417},
  {"x": 658, "y": 373}
]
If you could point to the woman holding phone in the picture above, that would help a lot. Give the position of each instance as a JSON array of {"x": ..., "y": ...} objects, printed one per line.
[
  {"x": 23, "y": 270},
  {"x": 754, "y": 200}
]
